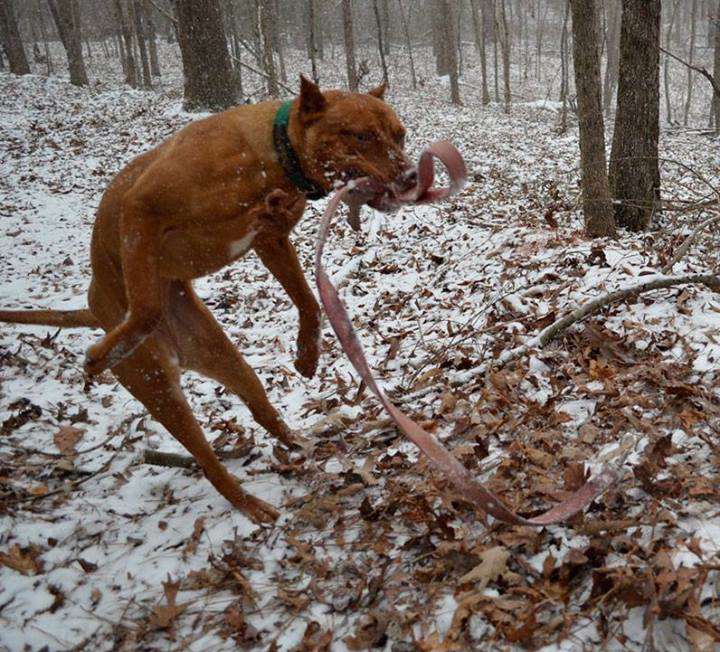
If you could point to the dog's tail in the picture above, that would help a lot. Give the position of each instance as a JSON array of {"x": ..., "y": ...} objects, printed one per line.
[{"x": 60, "y": 318}]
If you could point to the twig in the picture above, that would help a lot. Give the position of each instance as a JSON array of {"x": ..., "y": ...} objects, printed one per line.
[
  {"x": 703, "y": 71},
  {"x": 261, "y": 73},
  {"x": 685, "y": 246},
  {"x": 553, "y": 330}
]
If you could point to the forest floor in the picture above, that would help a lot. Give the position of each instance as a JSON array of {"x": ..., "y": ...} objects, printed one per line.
[{"x": 100, "y": 551}]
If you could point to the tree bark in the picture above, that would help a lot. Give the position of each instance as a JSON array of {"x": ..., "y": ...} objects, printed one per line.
[
  {"x": 716, "y": 67},
  {"x": 11, "y": 41},
  {"x": 151, "y": 35},
  {"x": 479, "y": 29},
  {"x": 349, "y": 35},
  {"x": 504, "y": 37},
  {"x": 691, "y": 57},
  {"x": 408, "y": 43},
  {"x": 136, "y": 14},
  {"x": 126, "y": 45},
  {"x": 597, "y": 206},
  {"x": 448, "y": 38},
  {"x": 666, "y": 67},
  {"x": 312, "y": 40},
  {"x": 206, "y": 64},
  {"x": 381, "y": 47},
  {"x": 634, "y": 168},
  {"x": 564, "y": 75},
  {"x": 613, "y": 53},
  {"x": 266, "y": 32},
  {"x": 66, "y": 15}
]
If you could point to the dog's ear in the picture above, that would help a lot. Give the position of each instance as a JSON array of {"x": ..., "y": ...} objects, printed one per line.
[
  {"x": 312, "y": 100},
  {"x": 379, "y": 91}
]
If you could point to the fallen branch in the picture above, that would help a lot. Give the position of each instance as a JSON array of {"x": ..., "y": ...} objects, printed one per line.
[
  {"x": 553, "y": 330},
  {"x": 703, "y": 71},
  {"x": 179, "y": 461},
  {"x": 685, "y": 246}
]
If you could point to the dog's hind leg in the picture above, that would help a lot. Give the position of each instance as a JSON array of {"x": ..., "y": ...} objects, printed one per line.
[
  {"x": 144, "y": 289},
  {"x": 204, "y": 347},
  {"x": 152, "y": 377}
]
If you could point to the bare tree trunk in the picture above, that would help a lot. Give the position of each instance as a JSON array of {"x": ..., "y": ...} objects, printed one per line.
[
  {"x": 277, "y": 35},
  {"x": 691, "y": 57},
  {"x": 11, "y": 41},
  {"x": 349, "y": 45},
  {"x": 495, "y": 59},
  {"x": 448, "y": 44},
  {"x": 381, "y": 48},
  {"x": 66, "y": 15},
  {"x": 43, "y": 32},
  {"x": 265, "y": 19},
  {"x": 597, "y": 206},
  {"x": 312, "y": 40},
  {"x": 136, "y": 14},
  {"x": 479, "y": 29},
  {"x": 666, "y": 67},
  {"x": 386, "y": 25},
  {"x": 613, "y": 53},
  {"x": 151, "y": 35},
  {"x": 634, "y": 168},
  {"x": 540, "y": 32},
  {"x": 716, "y": 67},
  {"x": 128, "y": 56},
  {"x": 504, "y": 36},
  {"x": 206, "y": 64},
  {"x": 564, "y": 76},
  {"x": 408, "y": 43}
]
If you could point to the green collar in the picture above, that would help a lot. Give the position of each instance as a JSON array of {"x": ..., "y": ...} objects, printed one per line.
[{"x": 288, "y": 156}]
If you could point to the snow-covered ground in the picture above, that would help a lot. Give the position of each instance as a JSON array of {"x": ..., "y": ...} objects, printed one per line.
[{"x": 99, "y": 551}]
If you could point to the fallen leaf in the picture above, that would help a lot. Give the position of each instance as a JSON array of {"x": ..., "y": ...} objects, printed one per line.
[
  {"x": 66, "y": 438},
  {"x": 493, "y": 562},
  {"x": 163, "y": 616}
]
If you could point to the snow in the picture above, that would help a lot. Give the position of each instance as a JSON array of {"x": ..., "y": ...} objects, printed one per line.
[{"x": 443, "y": 289}]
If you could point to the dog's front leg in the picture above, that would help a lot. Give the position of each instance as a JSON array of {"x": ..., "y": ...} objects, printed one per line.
[{"x": 279, "y": 256}]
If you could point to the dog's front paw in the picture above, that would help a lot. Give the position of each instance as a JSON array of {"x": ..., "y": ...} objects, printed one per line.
[{"x": 96, "y": 360}]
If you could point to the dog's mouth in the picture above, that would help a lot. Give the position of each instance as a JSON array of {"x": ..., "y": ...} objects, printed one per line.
[{"x": 382, "y": 196}]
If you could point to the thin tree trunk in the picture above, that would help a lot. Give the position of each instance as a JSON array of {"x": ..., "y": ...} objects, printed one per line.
[
  {"x": 66, "y": 15},
  {"x": 11, "y": 41},
  {"x": 564, "y": 76},
  {"x": 136, "y": 14},
  {"x": 666, "y": 67},
  {"x": 613, "y": 53},
  {"x": 504, "y": 35},
  {"x": 265, "y": 19},
  {"x": 716, "y": 67},
  {"x": 408, "y": 43},
  {"x": 43, "y": 32},
  {"x": 597, "y": 206},
  {"x": 381, "y": 48},
  {"x": 495, "y": 59},
  {"x": 278, "y": 40},
  {"x": 540, "y": 32},
  {"x": 479, "y": 29},
  {"x": 691, "y": 57},
  {"x": 151, "y": 35},
  {"x": 349, "y": 35},
  {"x": 312, "y": 40},
  {"x": 129, "y": 66},
  {"x": 634, "y": 167},
  {"x": 386, "y": 25}
]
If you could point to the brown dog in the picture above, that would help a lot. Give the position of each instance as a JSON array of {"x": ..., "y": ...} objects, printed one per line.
[{"x": 223, "y": 185}]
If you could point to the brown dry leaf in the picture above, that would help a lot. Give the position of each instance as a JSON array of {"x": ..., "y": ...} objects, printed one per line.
[
  {"x": 538, "y": 457},
  {"x": 366, "y": 471},
  {"x": 22, "y": 560},
  {"x": 315, "y": 639},
  {"x": 192, "y": 542},
  {"x": 699, "y": 640},
  {"x": 369, "y": 632},
  {"x": 163, "y": 616},
  {"x": 493, "y": 562},
  {"x": 66, "y": 438}
]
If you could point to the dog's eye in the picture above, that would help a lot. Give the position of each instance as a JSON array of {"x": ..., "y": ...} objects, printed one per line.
[
  {"x": 364, "y": 136},
  {"x": 400, "y": 138}
]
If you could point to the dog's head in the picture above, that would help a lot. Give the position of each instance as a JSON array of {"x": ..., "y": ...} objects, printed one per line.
[{"x": 346, "y": 136}]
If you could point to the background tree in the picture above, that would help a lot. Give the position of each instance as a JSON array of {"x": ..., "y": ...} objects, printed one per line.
[
  {"x": 478, "y": 17},
  {"x": 127, "y": 49},
  {"x": 265, "y": 11},
  {"x": 634, "y": 168},
  {"x": 206, "y": 63},
  {"x": 348, "y": 33},
  {"x": 66, "y": 14},
  {"x": 137, "y": 17},
  {"x": 10, "y": 39},
  {"x": 597, "y": 207},
  {"x": 449, "y": 40},
  {"x": 614, "y": 13}
]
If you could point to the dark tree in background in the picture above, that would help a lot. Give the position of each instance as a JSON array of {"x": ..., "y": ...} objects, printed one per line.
[
  {"x": 66, "y": 14},
  {"x": 586, "y": 60},
  {"x": 206, "y": 63},
  {"x": 10, "y": 39},
  {"x": 634, "y": 168},
  {"x": 348, "y": 33},
  {"x": 127, "y": 50},
  {"x": 137, "y": 17},
  {"x": 614, "y": 12}
]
